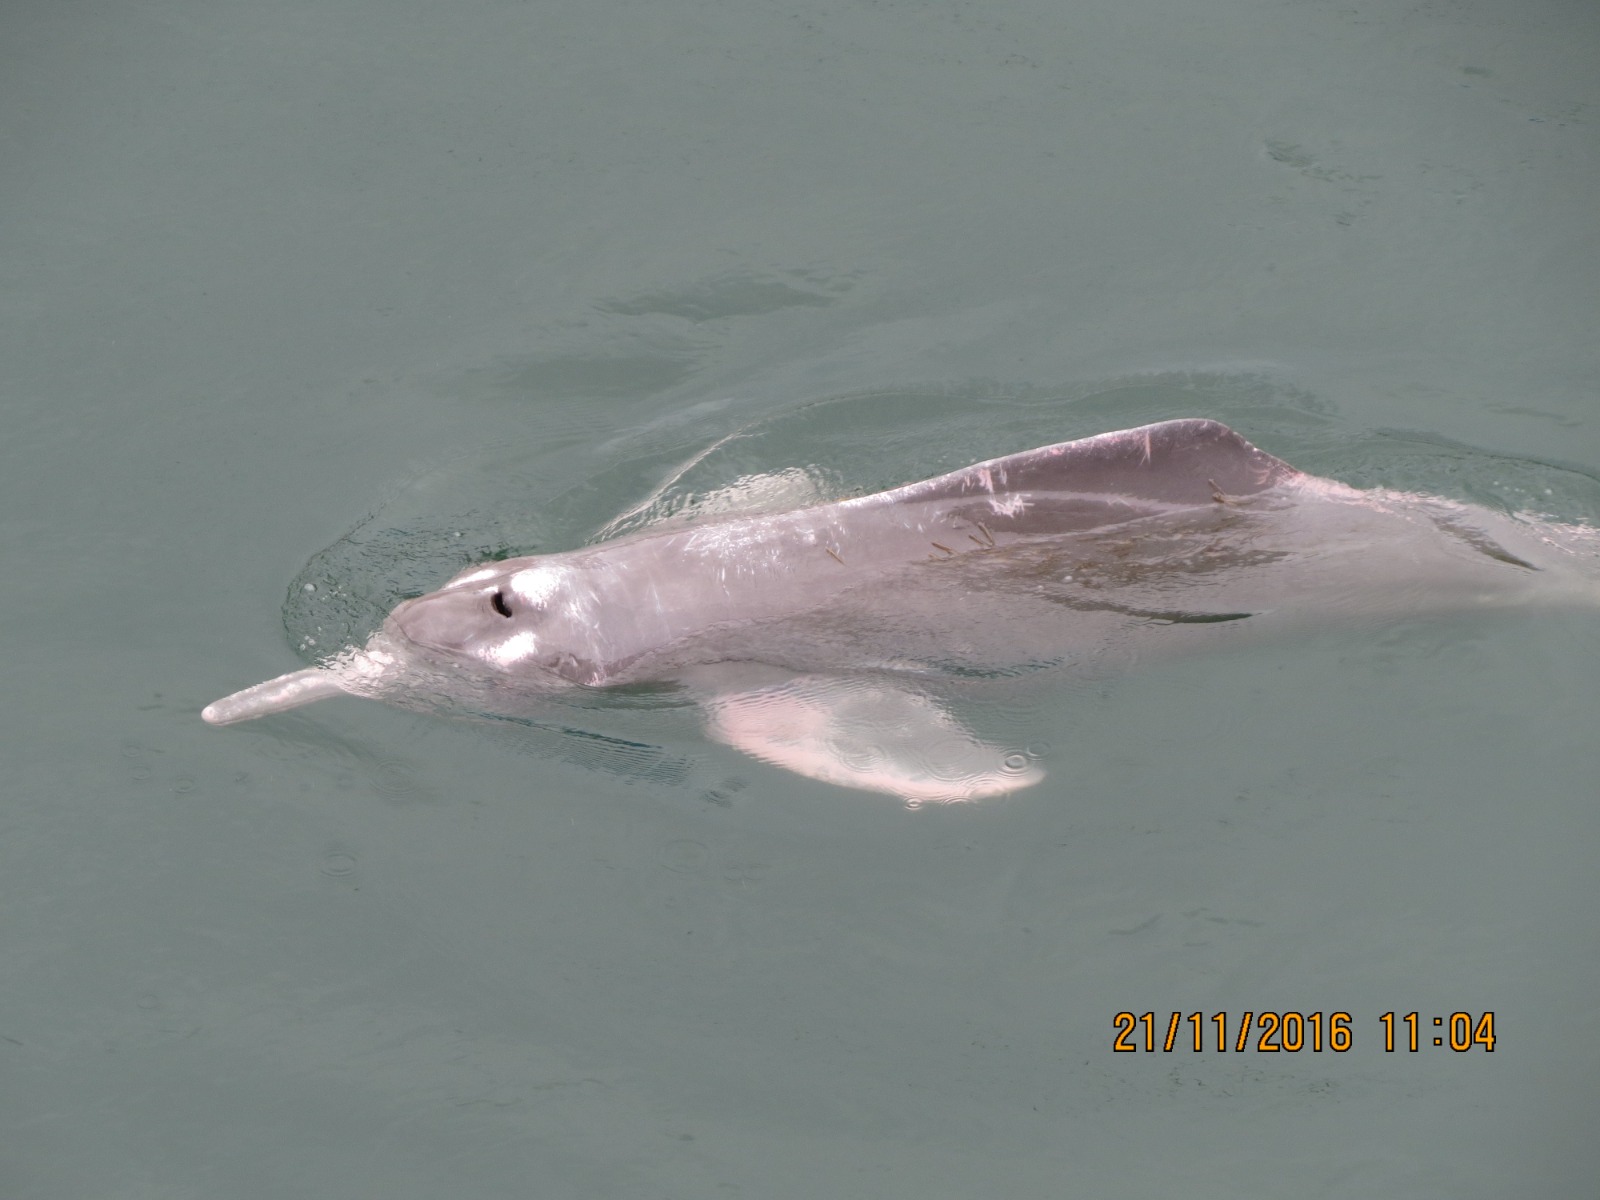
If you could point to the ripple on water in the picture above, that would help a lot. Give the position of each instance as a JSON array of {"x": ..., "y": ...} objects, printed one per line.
[{"x": 338, "y": 864}]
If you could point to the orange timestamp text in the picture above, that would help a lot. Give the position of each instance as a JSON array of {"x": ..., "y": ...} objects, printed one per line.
[{"x": 1271, "y": 1032}]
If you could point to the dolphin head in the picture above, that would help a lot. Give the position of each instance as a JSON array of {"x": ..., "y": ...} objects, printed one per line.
[
  {"x": 521, "y": 617},
  {"x": 524, "y": 622}
]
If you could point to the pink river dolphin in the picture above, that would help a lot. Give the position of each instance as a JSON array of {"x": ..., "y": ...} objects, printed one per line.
[{"x": 821, "y": 639}]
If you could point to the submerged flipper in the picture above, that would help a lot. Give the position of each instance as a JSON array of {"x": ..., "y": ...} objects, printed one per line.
[
  {"x": 862, "y": 733},
  {"x": 274, "y": 696}
]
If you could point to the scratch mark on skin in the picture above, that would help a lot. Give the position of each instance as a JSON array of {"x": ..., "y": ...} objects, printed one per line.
[
  {"x": 974, "y": 540},
  {"x": 1147, "y": 450},
  {"x": 1217, "y": 493},
  {"x": 834, "y": 556},
  {"x": 985, "y": 530},
  {"x": 942, "y": 546}
]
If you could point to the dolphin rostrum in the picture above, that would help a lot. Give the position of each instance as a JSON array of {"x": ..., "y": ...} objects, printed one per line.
[{"x": 810, "y": 638}]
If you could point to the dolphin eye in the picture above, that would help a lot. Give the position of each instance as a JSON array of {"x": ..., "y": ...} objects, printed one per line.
[{"x": 498, "y": 600}]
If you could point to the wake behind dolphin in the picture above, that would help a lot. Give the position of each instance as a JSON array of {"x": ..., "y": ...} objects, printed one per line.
[{"x": 815, "y": 639}]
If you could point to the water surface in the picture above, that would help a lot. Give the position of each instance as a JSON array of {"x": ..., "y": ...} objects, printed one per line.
[{"x": 349, "y": 294}]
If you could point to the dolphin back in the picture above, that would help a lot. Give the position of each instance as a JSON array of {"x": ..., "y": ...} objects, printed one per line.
[{"x": 1173, "y": 462}]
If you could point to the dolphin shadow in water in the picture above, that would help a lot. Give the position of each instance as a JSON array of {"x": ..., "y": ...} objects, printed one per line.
[{"x": 812, "y": 639}]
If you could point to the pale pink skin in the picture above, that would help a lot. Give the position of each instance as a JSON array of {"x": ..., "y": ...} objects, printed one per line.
[{"x": 1144, "y": 536}]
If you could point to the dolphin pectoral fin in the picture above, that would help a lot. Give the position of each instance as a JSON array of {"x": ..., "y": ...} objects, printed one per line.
[
  {"x": 867, "y": 734},
  {"x": 274, "y": 696}
]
